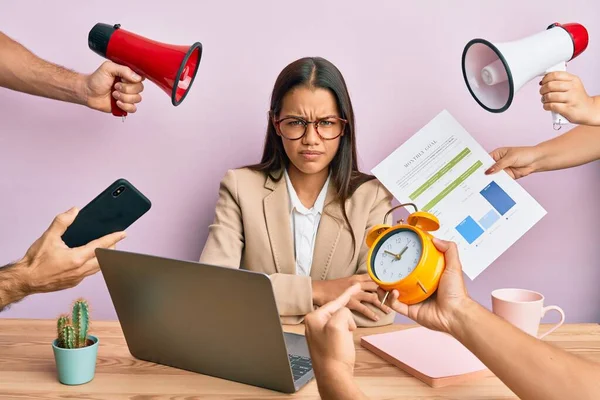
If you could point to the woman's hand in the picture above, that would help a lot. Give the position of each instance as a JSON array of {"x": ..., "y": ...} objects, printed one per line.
[
  {"x": 516, "y": 161},
  {"x": 564, "y": 93},
  {"x": 326, "y": 291}
]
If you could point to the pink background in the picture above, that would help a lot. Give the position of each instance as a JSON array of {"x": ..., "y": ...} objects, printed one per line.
[{"x": 402, "y": 64}]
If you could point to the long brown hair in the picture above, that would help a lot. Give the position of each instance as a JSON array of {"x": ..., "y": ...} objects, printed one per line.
[{"x": 316, "y": 72}]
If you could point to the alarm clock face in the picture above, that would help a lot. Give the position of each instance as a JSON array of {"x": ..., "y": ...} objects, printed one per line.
[{"x": 397, "y": 254}]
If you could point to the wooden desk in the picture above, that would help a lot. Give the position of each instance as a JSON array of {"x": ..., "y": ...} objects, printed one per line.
[{"x": 27, "y": 370}]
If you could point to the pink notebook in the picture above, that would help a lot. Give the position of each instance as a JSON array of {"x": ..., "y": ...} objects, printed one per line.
[{"x": 433, "y": 357}]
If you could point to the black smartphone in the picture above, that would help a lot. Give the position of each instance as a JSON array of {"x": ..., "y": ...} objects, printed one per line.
[{"x": 113, "y": 210}]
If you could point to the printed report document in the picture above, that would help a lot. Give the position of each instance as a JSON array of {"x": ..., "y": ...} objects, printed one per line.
[{"x": 441, "y": 169}]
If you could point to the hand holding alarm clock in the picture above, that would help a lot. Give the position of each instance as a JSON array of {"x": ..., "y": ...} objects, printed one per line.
[{"x": 403, "y": 256}]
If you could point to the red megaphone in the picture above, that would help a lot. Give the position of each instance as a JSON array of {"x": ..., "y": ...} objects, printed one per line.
[{"x": 173, "y": 68}]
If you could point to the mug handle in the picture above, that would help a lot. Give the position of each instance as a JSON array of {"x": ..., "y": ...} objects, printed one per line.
[{"x": 562, "y": 319}]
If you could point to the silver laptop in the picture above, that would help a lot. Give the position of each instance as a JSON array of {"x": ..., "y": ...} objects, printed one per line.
[{"x": 212, "y": 320}]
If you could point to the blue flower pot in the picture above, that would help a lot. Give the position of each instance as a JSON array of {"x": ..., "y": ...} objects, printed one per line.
[{"x": 76, "y": 366}]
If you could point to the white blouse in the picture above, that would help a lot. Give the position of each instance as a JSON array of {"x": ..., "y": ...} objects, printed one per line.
[{"x": 304, "y": 223}]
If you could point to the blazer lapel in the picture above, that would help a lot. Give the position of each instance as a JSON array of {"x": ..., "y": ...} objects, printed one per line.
[
  {"x": 328, "y": 235},
  {"x": 277, "y": 216}
]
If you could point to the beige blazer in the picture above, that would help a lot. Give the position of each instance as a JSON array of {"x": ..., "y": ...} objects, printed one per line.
[{"x": 251, "y": 230}]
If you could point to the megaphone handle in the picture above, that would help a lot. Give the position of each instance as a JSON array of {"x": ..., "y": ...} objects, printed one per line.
[
  {"x": 116, "y": 111},
  {"x": 557, "y": 119}
]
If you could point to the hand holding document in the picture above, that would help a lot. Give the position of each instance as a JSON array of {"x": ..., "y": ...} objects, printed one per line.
[{"x": 441, "y": 170}]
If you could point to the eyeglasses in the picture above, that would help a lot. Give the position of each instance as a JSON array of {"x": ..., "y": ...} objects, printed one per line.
[{"x": 294, "y": 128}]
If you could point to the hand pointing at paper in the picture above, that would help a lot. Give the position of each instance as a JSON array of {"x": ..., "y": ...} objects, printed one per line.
[
  {"x": 518, "y": 162},
  {"x": 580, "y": 145},
  {"x": 515, "y": 357}
]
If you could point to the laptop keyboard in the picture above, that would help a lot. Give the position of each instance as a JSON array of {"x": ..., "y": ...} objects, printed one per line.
[{"x": 300, "y": 365}]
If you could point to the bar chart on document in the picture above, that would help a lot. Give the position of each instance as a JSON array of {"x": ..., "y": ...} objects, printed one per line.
[{"x": 441, "y": 170}]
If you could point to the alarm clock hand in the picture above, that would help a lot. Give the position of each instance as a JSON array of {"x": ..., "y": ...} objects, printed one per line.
[
  {"x": 396, "y": 256},
  {"x": 402, "y": 252}
]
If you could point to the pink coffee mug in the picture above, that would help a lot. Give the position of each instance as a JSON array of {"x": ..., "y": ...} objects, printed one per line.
[{"x": 524, "y": 309}]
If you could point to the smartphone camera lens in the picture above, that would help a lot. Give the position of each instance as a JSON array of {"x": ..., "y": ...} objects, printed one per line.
[{"x": 118, "y": 191}]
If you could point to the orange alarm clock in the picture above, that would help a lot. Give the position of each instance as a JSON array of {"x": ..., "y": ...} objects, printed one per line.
[{"x": 403, "y": 256}]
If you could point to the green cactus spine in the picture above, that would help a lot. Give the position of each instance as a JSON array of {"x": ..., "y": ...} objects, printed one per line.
[
  {"x": 81, "y": 322},
  {"x": 63, "y": 321},
  {"x": 68, "y": 335}
]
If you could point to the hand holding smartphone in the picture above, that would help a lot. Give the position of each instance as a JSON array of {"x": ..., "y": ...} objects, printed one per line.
[{"x": 113, "y": 210}]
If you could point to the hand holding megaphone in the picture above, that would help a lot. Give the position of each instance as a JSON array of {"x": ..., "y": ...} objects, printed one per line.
[
  {"x": 100, "y": 88},
  {"x": 171, "y": 67},
  {"x": 493, "y": 73},
  {"x": 564, "y": 94}
]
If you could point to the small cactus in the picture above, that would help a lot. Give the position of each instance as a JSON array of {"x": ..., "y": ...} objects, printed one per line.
[
  {"x": 81, "y": 321},
  {"x": 72, "y": 332},
  {"x": 63, "y": 321},
  {"x": 68, "y": 337}
]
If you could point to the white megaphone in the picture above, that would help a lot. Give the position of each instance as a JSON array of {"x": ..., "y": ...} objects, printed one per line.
[{"x": 495, "y": 72}]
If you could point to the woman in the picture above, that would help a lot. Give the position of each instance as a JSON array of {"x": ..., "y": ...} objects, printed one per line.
[{"x": 302, "y": 214}]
